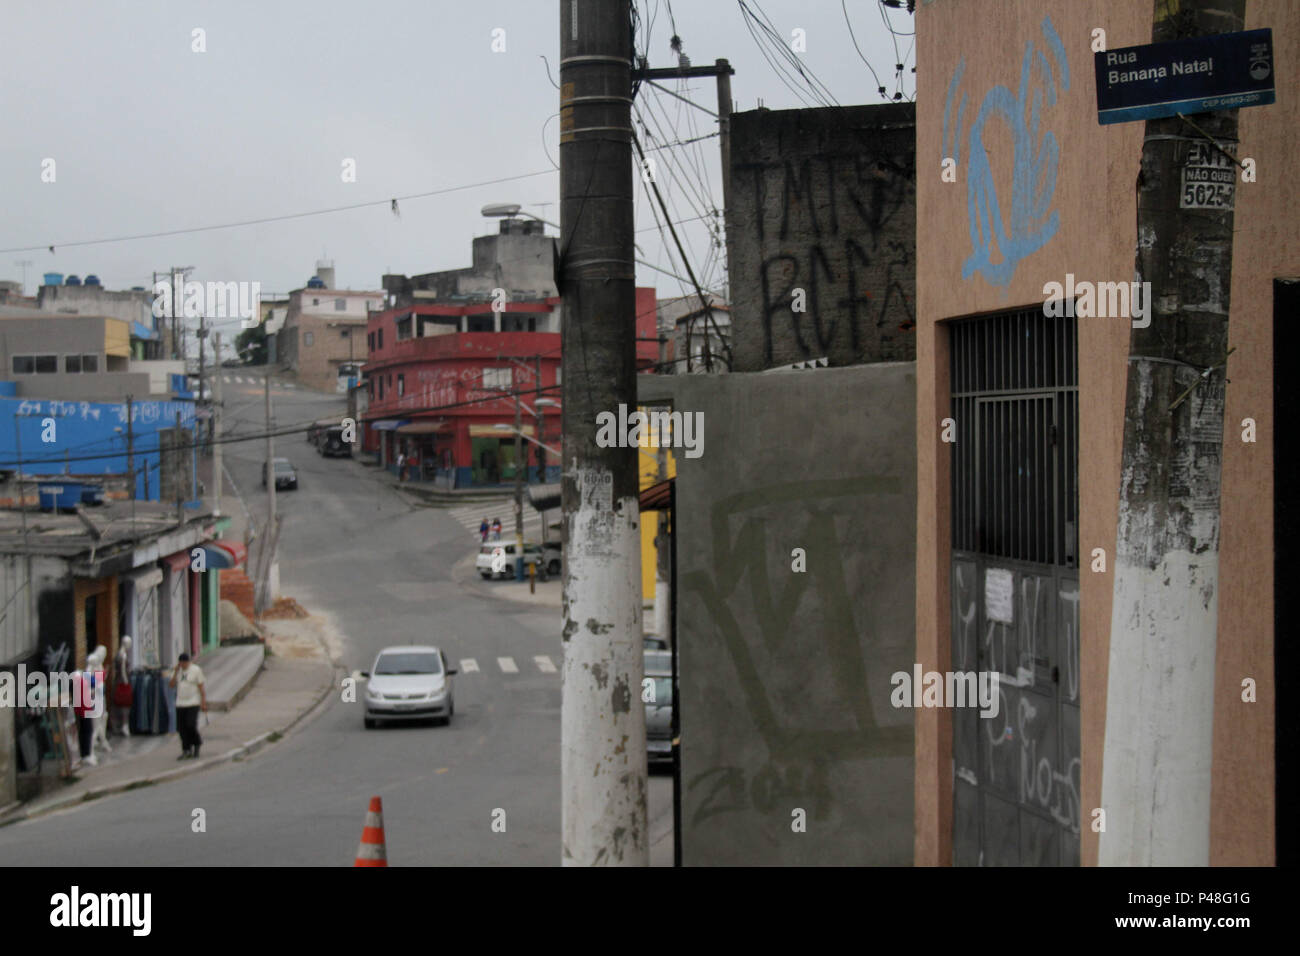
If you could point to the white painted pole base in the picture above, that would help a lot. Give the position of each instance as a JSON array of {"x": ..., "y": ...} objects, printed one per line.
[
  {"x": 602, "y": 718},
  {"x": 1160, "y": 714}
]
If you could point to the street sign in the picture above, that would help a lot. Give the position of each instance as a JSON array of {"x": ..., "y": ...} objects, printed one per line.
[{"x": 1196, "y": 75}]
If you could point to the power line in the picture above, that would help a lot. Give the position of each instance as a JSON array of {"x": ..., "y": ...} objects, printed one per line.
[{"x": 297, "y": 215}]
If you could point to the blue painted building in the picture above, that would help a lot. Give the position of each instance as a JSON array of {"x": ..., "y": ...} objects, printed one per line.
[{"x": 51, "y": 437}]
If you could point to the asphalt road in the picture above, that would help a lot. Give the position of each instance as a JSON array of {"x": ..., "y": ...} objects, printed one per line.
[{"x": 352, "y": 548}]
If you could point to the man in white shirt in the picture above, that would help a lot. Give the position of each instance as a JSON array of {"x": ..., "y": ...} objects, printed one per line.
[{"x": 191, "y": 697}]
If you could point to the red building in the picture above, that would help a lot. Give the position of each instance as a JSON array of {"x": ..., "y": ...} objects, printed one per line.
[{"x": 441, "y": 378}]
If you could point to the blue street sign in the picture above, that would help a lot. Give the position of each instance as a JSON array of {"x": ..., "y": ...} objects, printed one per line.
[{"x": 1218, "y": 72}]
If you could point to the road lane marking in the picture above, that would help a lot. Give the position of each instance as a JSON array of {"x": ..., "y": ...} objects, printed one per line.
[
  {"x": 544, "y": 664},
  {"x": 468, "y": 665},
  {"x": 507, "y": 665}
]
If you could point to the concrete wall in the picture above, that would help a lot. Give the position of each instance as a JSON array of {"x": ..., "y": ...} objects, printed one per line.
[
  {"x": 785, "y": 676},
  {"x": 132, "y": 306},
  {"x": 822, "y": 201},
  {"x": 1076, "y": 213}
]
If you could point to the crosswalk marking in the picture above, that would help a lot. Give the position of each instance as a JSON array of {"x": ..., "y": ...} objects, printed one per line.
[
  {"x": 239, "y": 379},
  {"x": 544, "y": 664},
  {"x": 469, "y": 666},
  {"x": 507, "y": 665},
  {"x": 468, "y": 517}
]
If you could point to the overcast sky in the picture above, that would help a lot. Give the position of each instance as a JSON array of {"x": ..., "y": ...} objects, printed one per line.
[{"x": 149, "y": 136}]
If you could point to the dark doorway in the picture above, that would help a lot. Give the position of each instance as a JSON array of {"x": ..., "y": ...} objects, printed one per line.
[{"x": 1015, "y": 588}]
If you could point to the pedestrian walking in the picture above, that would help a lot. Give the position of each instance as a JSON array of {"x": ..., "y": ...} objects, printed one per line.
[
  {"x": 496, "y": 529},
  {"x": 483, "y": 530},
  {"x": 401, "y": 466},
  {"x": 191, "y": 697}
]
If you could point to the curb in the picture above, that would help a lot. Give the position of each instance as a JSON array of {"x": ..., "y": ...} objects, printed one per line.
[{"x": 246, "y": 749}]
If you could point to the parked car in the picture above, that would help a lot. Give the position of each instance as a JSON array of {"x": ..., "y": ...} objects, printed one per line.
[
  {"x": 532, "y": 555},
  {"x": 409, "y": 682},
  {"x": 552, "y": 551},
  {"x": 659, "y": 709},
  {"x": 330, "y": 443},
  {"x": 286, "y": 476}
]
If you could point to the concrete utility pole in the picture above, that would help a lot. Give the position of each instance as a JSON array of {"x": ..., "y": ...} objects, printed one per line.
[
  {"x": 267, "y": 570},
  {"x": 1164, "y": 620},
  {"x": 519, "y": 490},
  {"x": 602, "y": 720},
  {"x": 217, "y": 474}
]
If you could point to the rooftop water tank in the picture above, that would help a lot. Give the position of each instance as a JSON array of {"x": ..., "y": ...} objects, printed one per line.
[
  {"x": 53, "y": 278},
  {"x": 315, "y": 282},
  {"x": 72, "y": 280},
  {"x": 92, "y": 279}
]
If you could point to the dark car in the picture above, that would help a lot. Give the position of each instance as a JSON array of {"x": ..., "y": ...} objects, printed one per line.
[
  {"x": 285, "y": 475},
  {"x": 658, "y": 697},
  {"x": 330, "y": 443}
]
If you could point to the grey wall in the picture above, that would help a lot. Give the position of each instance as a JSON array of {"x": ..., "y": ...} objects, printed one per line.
[
  {"x": 785, "y": 676},
  {"x": 823, "y": 200}
]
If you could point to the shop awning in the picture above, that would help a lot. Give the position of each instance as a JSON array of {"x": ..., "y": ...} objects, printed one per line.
[
  {"x": 225, "y": 554},
  {"x": 389, "y": 424},
  {"x": 425, "y": 428}
]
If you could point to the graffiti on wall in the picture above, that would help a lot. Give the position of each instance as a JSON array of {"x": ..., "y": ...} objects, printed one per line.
[
  {"x": 1003, "y": 233},
  {"x": 831, "y": 264},
  {"x": 803, "y": 747}
]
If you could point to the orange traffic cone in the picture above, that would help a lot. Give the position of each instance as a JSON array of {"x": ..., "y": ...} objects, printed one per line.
[{"x": 372, "y": 851}]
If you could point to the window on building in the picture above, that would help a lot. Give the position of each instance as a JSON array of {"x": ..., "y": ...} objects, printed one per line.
[
  {"x": 379, "y": 339},
  {"x": 381, "y": 388},
  {"x": 496, "y": 377},
  {"x": 340, "y": 305},
  {"x": 315, "y": 301},
  {"x": 403, "y": 326},
  {"x": 32, "y": 364},
  {"x": 90, "y": 363},
  {"x": 558, "y": 370},
  {"x": 370, "y": 341},
  {"x": 401, "y": 384},
  {"x": 308, "y": 338}
]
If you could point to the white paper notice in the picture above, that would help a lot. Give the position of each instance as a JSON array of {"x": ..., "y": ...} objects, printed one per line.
[{"x": 998, "y": 591}]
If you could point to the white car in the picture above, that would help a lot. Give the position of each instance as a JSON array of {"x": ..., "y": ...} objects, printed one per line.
[
  {"x": 490, "y": 566},
  {"x": 409, "y": 682}
]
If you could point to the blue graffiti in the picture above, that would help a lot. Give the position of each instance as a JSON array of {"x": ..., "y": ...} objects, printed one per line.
[{"x": 1029, "y": 224}]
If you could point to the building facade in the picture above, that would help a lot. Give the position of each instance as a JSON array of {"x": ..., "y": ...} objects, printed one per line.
[
  {"x": 1021, "y": 423},
  {"x": 323, "y": 335}
]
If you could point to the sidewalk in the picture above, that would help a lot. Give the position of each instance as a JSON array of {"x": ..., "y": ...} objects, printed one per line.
[
  {"x": 548, "y": 593},
  {"x": 296, "y": 677}
]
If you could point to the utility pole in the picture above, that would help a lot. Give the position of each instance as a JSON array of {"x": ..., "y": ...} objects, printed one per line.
[
  {"x": 1156, "y": 772},
  {"x": 519, "y": 490},
  {"x": 176, "y": 472},
  {"x": 217, "y": 474},
  {"x": 268, "y": 559},
  {"x": 541, "y": 439},
  {"x": 663, "y": 559},
  {"x": 602, "y": 721},
  {"x": 199, "y": 401},
  {"x": 130, "y": 445}
]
